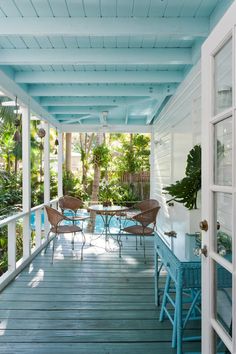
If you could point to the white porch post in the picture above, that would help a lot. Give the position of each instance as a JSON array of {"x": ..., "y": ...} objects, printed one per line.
[
  {"x": 59, "y": 165},
  {"x": 46, "y": 173},
  {"x": 26, "y": 180},
  {"x": 12, "y": 246},
  {"x": 152, "y": 158}
]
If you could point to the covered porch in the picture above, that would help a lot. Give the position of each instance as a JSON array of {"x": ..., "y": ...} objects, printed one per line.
[{"x": 102, "y": 67}]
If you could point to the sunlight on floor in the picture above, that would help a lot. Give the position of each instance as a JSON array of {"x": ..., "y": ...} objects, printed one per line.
[{"x": 37, "y": 279}]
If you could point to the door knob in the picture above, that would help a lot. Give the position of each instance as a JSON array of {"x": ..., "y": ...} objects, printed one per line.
[
  {"x": 203, "y": 225},
  {"x": 199, "y": 251},
  {"x": 204, "y": 250}
]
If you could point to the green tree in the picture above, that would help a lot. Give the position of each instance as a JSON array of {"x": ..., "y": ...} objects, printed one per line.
[
  {"x": 134, "y": 153},
  {"x": 84, "y": 145}
]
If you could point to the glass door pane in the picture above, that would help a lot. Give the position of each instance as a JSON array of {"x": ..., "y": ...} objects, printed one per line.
[
  {"x": 223, "y": 305},
  {"x": 223, "y": 152},
  {"x": 223, "y": 225},
  {"x": 223, "y": 78},
  {"x": 220, "y": 347}
]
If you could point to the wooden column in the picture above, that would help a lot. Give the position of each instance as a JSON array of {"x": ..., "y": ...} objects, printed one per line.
[
  {"x": 152, "y": 165},
  {"x": 26, "y": 180},
  {"x": 60, "y": 165},
  {"x": 46, "y": 168},
  {"x": 68, "y": 151}
]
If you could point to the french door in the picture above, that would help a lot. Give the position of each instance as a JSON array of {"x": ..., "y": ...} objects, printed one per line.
[{"x": 219, "y": 188}]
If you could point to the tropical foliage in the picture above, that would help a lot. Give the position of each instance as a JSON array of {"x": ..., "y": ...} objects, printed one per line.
[
  {"x": 104, "y": 158},
  {"x": 186, "y": 190}
]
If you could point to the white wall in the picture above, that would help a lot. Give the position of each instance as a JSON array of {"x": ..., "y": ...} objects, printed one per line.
[{"x": 174, "y": 134}]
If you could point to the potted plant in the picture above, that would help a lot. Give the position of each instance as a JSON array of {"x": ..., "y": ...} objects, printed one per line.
[{"x": 186, "y": 190}]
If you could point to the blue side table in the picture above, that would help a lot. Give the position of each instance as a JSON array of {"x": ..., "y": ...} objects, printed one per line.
[{"x": 185, "y": 273}]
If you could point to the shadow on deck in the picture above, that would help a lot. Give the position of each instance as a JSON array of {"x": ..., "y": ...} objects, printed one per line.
[{"x": 102, "y": 304}]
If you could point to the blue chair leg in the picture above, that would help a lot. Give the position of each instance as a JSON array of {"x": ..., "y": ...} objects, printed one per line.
[
  {"x": 83, "y": 243},
  {"x": 53, "y": 247}
]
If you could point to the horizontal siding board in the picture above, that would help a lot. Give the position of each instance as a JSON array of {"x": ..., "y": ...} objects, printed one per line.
[{"x": 175, "y": 132}]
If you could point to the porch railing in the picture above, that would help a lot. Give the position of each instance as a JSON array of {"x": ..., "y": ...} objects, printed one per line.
[{"x": 29, "y": 251}]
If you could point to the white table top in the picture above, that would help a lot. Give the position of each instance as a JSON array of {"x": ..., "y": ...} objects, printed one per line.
[{"x": 107, "y": 209}]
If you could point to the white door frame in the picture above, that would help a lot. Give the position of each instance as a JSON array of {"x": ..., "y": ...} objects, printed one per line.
[{"x": 222, "y": 32}]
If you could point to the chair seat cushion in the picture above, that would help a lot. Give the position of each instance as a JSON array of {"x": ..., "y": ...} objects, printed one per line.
[
  {"x": 64, "y": 229},
  {"x": 138, "y": 230}
]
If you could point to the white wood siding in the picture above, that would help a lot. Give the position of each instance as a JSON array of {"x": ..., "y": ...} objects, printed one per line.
[{"x": 175, "y": 133}]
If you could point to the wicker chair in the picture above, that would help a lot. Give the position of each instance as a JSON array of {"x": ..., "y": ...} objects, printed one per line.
[
  {"x": 55, "y": 218},
  {"x": 136, "y": 209},
  {"x": 72, "y": 204},
  {"x": 146, "y": 222},
  {"x": 142, "y": 206}
]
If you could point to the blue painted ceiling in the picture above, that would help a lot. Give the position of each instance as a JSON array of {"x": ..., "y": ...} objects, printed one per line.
[{"x": 80, "y": 58}]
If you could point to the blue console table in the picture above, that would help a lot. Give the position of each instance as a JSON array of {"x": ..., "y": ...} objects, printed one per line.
[{"x": 184, "y": 270}]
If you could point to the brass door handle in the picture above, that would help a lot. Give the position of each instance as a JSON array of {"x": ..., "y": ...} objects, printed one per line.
[
  {"x": 203, "y": 225},
  {"x": 170, "y": 233}
]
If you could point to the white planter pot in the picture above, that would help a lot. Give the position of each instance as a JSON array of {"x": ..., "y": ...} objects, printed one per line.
[
  {"x": 194, "y": 220},
  {"x": 190, "y": 241}
]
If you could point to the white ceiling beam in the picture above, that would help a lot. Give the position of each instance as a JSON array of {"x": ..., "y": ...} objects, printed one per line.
[
  {"x": 74, "y": 119},
  {"x": 90, "y": 128},
  {"x": 13, "y": 90},
  {"x": 116, "y": 56},
  {"x": 90, "y": 101},
  {"x": 155, "y": 109},
  {"x": 77, "y": 26},
  {"x": 101, "y": 77},
  {"x": 101, "y": 90}
]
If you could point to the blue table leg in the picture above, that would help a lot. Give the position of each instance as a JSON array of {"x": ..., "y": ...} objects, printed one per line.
[
  {"x": 158, "y": 267},
  {"x": 179, "y": 322},
  {"x": 156, "y": 280}
]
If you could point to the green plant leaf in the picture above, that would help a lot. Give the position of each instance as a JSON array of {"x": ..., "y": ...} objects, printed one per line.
[{"x": 185, "y": 191}]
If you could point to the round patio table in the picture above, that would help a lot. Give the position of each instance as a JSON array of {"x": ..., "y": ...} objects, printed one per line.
[{"x": 107, "y": 212}]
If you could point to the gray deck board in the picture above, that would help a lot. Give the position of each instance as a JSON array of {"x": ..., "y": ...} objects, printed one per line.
[{"x": 101, "y": 305}]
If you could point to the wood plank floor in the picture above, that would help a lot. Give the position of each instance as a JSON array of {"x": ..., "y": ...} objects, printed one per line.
[{"x": 101, "y": 305}]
